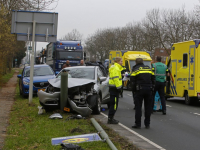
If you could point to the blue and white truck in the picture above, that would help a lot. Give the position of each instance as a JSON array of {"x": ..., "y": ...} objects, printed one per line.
[{"x": 61, "y": 51}]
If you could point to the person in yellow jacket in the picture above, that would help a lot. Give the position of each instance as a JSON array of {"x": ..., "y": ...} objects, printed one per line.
[{"x": 115, "y": 85}]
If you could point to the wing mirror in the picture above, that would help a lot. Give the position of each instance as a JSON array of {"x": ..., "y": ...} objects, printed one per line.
[
  {"x": 102, "y": 79},
  {"x": 19, "y": 76},
  {"x": 56, "y": 72}
]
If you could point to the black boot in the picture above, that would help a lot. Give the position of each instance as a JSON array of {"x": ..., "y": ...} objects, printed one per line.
[
  {"x": 136, "y": 126},
  {"x": 111, "y": 120},
  {"x": 164, "y": 112}
]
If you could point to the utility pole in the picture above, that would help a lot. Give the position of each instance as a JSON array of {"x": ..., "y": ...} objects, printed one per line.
[{"x": 35, "y": 41}]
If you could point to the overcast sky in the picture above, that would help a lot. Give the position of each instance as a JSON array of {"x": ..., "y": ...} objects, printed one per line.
[{"x": 89, "y": 15}]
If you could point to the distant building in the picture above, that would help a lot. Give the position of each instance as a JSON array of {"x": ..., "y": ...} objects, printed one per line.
[{"x": 161, "y": 52}]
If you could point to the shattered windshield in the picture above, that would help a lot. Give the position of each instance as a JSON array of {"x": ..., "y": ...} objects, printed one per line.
[
  {"x": 84, "y": 73},
  {"x": 39, "y": 71}
]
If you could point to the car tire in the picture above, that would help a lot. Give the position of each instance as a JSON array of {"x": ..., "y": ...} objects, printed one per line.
[
  {"x": 97, "y": 107},
  {"x": 24, "y": 95},
  {"x": 20, "y": 91}
]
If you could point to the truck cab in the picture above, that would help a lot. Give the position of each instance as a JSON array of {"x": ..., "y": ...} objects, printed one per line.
[{"x": 61, "y": 51}]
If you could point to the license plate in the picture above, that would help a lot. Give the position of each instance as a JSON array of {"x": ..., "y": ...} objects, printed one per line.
[{"x": 41, "y": 90}]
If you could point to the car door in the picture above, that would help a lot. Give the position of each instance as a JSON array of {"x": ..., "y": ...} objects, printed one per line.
[{"x": 104, "y": 86}]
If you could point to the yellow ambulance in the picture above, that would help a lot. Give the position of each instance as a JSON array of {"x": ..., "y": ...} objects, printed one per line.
[
  {"x": 183, "y": 65},
  {"x": 129, "y": 58}
]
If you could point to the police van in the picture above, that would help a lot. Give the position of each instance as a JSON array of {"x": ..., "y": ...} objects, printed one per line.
[{"x": 183, "y": 65}]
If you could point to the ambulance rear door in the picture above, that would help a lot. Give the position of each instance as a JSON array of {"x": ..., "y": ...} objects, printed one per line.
[
  {"x": 173, "y": 77},
  {"x": 191, "y": 78}
]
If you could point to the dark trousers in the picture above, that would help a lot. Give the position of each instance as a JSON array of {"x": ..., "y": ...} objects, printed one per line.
[
  {"x": 146, "y": 94},
  {"x": 133, "y": 97},
  {"x": 122, "y": 89},
  {"x": 160, "y": 87},
  {"x": 114, "y": 99}
]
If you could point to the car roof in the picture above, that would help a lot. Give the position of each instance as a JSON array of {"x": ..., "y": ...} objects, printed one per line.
[
  {"x": 39, "y": 65},
  {"x": 81, "y": 67}
]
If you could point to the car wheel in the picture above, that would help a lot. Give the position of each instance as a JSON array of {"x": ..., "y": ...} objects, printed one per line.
[
  {"x": 97, "y": 107},
  {"x": 20, "y": 91}
]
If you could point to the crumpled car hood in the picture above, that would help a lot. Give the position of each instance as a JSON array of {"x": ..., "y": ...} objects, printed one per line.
[{"x": 72, "y": 82}]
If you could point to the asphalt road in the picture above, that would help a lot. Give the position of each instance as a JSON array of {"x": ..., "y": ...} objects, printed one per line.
[{"x": 178, "y": 130}]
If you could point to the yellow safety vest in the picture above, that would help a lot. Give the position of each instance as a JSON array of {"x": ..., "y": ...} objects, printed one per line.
[{"x": 115, "y": 79}]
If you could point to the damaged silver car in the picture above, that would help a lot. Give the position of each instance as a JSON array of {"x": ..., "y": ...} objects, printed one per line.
[{"x": 87, "y": 90}]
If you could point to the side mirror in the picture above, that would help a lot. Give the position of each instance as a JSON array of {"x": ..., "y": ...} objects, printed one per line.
[
  {"x": 56, "y": 72},
  {"x": 19, "y": 76},
  {"x": 102, "y": 79}
]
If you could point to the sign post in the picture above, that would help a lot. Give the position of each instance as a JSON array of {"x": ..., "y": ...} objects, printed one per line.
[
  {"x": 43, "y": 26},
  {"x": 32, "y": 66}
]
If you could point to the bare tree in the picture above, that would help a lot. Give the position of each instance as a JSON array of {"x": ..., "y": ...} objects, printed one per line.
[
  {"x": 73, "y": 35},
  {"x": 14, "y": 49},
  {"x": 159, "y": 29},
  {"x": 27, "y": 4},
  {"x": 171, "y": 26}
]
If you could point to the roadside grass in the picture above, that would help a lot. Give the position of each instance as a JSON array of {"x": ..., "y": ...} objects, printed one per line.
[
  {"x": 5, "y": 78},
  {"x": 28, "y": 130}
]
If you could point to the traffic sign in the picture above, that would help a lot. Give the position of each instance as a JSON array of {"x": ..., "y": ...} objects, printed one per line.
[{"x": 46, "y": 25}]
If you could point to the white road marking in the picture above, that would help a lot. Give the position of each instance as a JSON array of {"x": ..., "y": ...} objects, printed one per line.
[
  {"x": 168, "y": 106},
  {"x": 129, "y": 94},
  {"x": 197, "y": 114},
  {"x": 142, "y": 137}
]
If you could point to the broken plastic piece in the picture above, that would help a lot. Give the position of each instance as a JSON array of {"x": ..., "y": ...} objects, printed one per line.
[
  {"x": 40, "y": 111},
  {"x": 56, "y": 115}
]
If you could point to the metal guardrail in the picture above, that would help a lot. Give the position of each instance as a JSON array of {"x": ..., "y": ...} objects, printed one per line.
[{"x": 103, "y": 134}]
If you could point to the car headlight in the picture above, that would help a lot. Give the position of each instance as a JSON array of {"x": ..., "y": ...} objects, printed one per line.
[{"x": 25, "y": 83}]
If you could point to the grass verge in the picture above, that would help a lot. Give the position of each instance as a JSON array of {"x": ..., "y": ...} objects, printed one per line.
[
  {"x": 28, "y": 130},
  {"x": 5, "y": 78}
]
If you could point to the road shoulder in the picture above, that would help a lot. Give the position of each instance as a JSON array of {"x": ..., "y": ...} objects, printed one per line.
[
  {"x": 128, "y": 134},
  {"x": 7, "y": 97}
]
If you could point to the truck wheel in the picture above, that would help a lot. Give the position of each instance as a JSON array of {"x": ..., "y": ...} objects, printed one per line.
[
  {"x": 129, "y": 86},
  {"x": 187, "y": 99},
  {"x": 97, "y": 107}
]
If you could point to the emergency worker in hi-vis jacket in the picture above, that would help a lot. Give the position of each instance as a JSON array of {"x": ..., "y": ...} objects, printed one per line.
[
  {"x": 143, "y": 81},
  {"x": 115, "y": 86}
]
